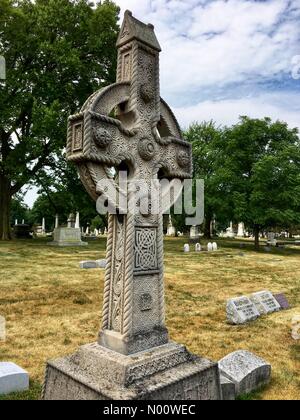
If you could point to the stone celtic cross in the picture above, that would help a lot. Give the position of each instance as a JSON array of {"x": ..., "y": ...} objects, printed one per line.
[{"x": 127, "y": 126}]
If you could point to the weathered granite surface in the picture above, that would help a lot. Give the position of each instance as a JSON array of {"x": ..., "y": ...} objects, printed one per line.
[
  {"x": 265, "y": 302},
  {"x": 246, "y": 370},
  {"x": 241, "y": 310},
  {"x": 12, "y": 378},
  {"x": 67, "y": 237},
  {"x": 227, "y": 389},
  {"x": 168, "y": 372}
]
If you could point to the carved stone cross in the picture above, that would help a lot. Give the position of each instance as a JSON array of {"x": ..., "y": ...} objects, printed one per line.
[{"x": 129, "y": 127}]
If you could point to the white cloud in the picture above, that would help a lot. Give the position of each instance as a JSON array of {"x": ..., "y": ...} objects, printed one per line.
[
  {"x": 227, "y": 112},
  {"x": 224, "y": 46}
]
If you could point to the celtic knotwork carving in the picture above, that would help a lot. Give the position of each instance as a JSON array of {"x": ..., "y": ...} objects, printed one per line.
[
  {"x": 183, "y": 159},
  {"x": 147, "y": 149},
  {"x": 102, "y": 137},
  {"x": 146, "y": 249}
]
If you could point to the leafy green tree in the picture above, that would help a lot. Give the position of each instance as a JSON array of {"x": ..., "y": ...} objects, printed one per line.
[
  {"x": 57, "y": 53},
  {"x": 260, "y": 174},
  {"x": 205, "y": 140}
]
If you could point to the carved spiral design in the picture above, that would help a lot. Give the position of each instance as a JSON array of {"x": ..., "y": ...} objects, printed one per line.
[
  {"x": 129, "y": 258},
  {"x": 108, "y": 271}
]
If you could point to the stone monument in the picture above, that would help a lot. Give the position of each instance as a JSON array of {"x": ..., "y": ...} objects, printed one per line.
[
  {"x": 241, "y": 230},
  {"x": 171, "y": 229},
  {"x": 68, "y": 236},
  {"x": 194, "y": 233},
  {"x": 133, "y": 358},
  {"x": 230, "y": 232}
]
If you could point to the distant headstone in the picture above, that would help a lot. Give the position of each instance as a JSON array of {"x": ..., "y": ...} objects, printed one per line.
[
  {"x": 12, "y": 378},
  {"x": 87, "y": 265},
  {"x": 171, "y": 229},
  {"x": 241, "y": 310},
  {"x": 210, "y": 247},
  {"x": 265, "y": 302},
  {"x": 227, "y": 389},
  {"x": 241, "y": 230},
  {"x": 230, "y": 232},
  {"x": 215, "y": 246},
  {"x": 282, "y": 300},
  {"x": 194, "y": 233},
  {"x": 67, "y": 237},
  {"x": 186, "y": 248},
  {"x": 246, "y": 370},
  {"x": 101, "y": 263},
  {"x": 198, "y": 247}
]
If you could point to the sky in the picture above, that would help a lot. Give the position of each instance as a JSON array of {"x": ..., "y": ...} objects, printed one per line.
[{"x": 225, "y": 58}]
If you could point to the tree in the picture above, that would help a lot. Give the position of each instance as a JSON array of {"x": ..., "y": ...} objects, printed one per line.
[
  {"x": 260, "y": 173},
  {"x": 206, "y": 142},
  {"x": 57, "y": 53}
]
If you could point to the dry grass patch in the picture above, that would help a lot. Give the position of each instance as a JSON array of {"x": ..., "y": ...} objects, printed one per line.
[{"x": 52, "y": 307}]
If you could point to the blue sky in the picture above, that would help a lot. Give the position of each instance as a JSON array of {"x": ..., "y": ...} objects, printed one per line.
[{"x": 225, "y": 58}]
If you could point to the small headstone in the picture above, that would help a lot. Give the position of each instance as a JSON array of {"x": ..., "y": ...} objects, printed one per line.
[
  {"x": 101, "y": 263},
  {"x": 227, "y": 389},
  {"x": 215, "y": 246},
  {"x": 186, "y": 248},
  {"x": 246, "y": 370},
  {"x": 282, "y": 300},
  {"x": 241, "y": 310},
  {"x": 87, "y": 265},
  {"x": 265, "y": 302},
  {"x": 12, "y": 378},
  {"x": 198, "y": 248},
  {"x": 210, "y": 247}
]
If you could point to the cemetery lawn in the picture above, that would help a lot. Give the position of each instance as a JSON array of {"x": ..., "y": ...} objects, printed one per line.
[{"x": 52, "y": 307}]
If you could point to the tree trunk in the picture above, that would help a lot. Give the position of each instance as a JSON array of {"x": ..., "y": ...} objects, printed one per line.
[
  {"x": 256, "y": 234},
  {"x": 207, "y": 227},
  {"x": 5, "y": 205}
]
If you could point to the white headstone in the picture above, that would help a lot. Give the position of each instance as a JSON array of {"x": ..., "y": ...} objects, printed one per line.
[
  {"x": 87, "y": 265},
  {"x": 210, "y": 247},
  {"x": 241, "y": 230},
  {"x": 23, "y": 222},
  {"x": 230, "y": 232},
  {"x": 16, "y": 222},
  {"x": 186, "y": 248},
  {"x": 215, "y": 246},
  {"x": 43, "y": 226},
  {"x": 198, "y": 248},
  {"x": 101, "y": 263},
  {"x": 77, "y": 221},
  {"x": 56, "y": 222},
  {"x": 194, "y": 232},
  {"x": 12, "y": 378},
  {"x": 246, "y": 370},
  {"x": 265, "y": 302},
  {"x": 241, "y": 310}
]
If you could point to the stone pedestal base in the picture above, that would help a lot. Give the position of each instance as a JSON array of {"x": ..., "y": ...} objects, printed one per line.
[
  {"x": 168, "y": 372},
  {"x": 66, "y": 237}
]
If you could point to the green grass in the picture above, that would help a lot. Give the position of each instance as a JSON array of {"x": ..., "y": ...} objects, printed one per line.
[{"x": 52, "y": 307}]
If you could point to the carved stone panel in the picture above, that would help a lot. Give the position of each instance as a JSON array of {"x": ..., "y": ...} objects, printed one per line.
[
  {"x": 77, "y": 137},
  {"x": 145, "y": 250},
  {"x": 145, "y": 303}
]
